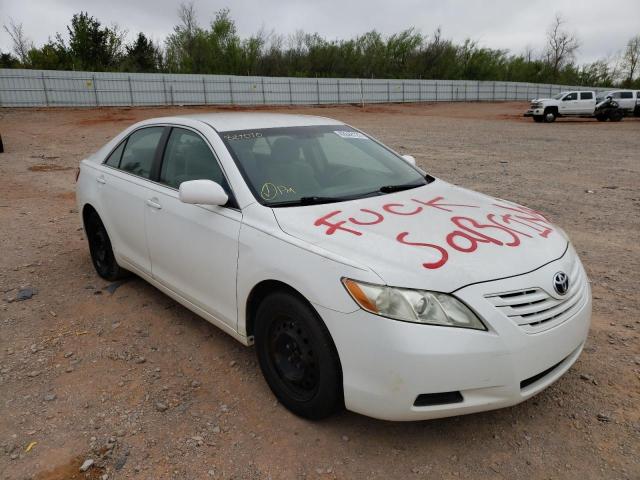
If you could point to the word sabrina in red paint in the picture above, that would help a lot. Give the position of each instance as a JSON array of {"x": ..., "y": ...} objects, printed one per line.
[{"x": 503, "y": 229}]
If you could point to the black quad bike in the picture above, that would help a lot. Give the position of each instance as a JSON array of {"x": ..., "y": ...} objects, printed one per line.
[{"x": 608, "y": 109}]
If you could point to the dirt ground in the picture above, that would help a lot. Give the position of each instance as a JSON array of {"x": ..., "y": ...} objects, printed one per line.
[{"x": 130, "y": 379}]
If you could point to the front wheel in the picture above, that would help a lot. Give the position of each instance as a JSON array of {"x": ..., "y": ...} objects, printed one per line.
[
  {"x": 615, "y": 116},
  {"x": 100, "y": 248},
  {"x": 297, "y": 356},
  {"x": 549, "y": 116}
]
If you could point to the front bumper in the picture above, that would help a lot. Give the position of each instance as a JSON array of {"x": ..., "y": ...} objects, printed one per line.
[
  {"x": 387, "y": 364},
  {"x": 534, "y": 112}
]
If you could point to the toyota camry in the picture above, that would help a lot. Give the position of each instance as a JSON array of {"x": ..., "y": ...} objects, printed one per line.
[{"x": 363, "y": 281}]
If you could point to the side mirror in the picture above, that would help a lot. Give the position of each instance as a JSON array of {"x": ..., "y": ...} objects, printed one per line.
[
  {"x": 409, "y": 159},
  {"x": 202, "y": 192}
]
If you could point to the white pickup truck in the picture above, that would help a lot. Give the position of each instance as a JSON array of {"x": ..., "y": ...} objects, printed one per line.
[
  {"x": 629, "y": 100},
  {"x": 565, "y": 104}
]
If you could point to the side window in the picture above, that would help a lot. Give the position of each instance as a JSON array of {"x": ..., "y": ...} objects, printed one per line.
[
  {"x": 139, "y": 151},
  {"x": 188, "y": 157},
  {"x": 586, "y": 96},
  {"x": 626, "y": 94},
  {"x": 571, "y": 96},
  {"x": 116, "y": 155}
]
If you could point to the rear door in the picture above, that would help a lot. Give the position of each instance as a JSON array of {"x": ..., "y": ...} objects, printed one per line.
[
  {"x": 122, "y": 187},
  {"x": 193, "y": 248},
  {"x": 587, "y": 103}
]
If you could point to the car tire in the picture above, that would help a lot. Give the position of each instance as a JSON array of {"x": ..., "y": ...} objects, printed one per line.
[
  {"x": 101, "y": 251},
  {"x": 298, "y": 357},
  {"x": 538, "y": 118},
  {"x": 615, "y": 116},
  {"x": 549, "y": 116},
  {"x": 601, "y": 118}
]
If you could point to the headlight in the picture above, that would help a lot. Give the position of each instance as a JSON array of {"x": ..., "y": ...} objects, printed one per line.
[{"x": 417, "y": 306}]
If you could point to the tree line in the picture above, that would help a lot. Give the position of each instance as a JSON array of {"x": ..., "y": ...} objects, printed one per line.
[{"x": 218, "y": 48}]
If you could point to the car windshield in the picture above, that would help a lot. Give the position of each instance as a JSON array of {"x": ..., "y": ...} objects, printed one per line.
[
  {"x": 317, "y": 164},
  {"x": 560, "y": 95}
]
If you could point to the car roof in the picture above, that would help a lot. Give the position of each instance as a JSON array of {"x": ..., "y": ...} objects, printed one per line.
[{"x": 229, "y": 121}]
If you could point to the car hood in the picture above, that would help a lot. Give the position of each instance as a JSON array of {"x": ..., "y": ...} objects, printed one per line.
[
  {"x": 437, "y": 237},
  {"x": 546, "y": 100}
]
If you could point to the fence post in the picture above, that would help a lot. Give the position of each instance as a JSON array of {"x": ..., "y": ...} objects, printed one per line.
[
  {"x": 204, "y": 90},
  {"x": 264, "y": 97},
  {"x": 403, "y": 82},
  {"x": 290, "y": 95},
  {"x": 44, "y": 87},
  {"x": 338, "y": 84},
  {"x": 478, "y": 92},
  {"x": 465, "y": 90},
  {"x": 361, "y": 94},
  {"x": 452, "y": 91},
  {"x": 130, "y": 91},
  {"x": 537, "y": 90},
  {"x": 230, "y": 91},
  {"x": 95, "y": 90},
  {"x": 516, "y": 94},
  {"x": 164, "y": 90},
  {"x": 388, "y": 92},
  {"x": 171, "y": 92},
  {"x": 420, "y": 91},
  {"x": 493, "y": 95},
  {"x": 318, "y": 89},
  {"x": 436, "y": 90}
]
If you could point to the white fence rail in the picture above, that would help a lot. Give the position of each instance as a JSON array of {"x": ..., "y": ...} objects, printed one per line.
[{"x": 52, "y": 88}]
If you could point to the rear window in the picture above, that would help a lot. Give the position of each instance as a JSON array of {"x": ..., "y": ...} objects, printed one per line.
[
  {"x": 586, "y": 96},
  {"x": 626, "y": 94}
]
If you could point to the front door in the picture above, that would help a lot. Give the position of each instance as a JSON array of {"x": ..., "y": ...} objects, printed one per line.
[{"x": 193, "y": 248}]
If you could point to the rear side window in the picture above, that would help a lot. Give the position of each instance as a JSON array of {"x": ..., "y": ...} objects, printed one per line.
[
  {"x": 626, "y": 94},
  {"x": 188, "y": 157},
  {"x": 586, "y": 96},
  {"x": 139, "y": 151},
  {"x": 116, "y": 155}
]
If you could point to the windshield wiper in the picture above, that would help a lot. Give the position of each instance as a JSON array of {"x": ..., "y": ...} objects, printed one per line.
[
  {"x": 308, "y": 201},
  {"x": 399, "y": 188}
]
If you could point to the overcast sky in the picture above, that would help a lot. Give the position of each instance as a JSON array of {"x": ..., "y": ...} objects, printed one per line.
[{"x": 603, "y": 28}]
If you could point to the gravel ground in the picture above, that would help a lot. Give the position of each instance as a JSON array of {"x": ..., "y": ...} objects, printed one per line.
[{"x": 122, "y": 375}]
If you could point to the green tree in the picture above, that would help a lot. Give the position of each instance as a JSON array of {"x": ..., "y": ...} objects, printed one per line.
[{"x": 142, "y": 56}]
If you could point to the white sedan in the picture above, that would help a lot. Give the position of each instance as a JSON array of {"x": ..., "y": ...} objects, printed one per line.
[{"x": 362, "y": 281}]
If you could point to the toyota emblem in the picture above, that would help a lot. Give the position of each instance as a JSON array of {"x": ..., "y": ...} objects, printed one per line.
[{"x": 561, "y": 283}]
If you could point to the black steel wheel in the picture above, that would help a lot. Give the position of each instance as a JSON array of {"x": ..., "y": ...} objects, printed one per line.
[
  {"x": 297, "y": 356},
  {"x": 100, "y": 248}
]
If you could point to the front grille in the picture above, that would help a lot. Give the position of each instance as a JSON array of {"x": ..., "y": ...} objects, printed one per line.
[{"x": 535, "y": 310}]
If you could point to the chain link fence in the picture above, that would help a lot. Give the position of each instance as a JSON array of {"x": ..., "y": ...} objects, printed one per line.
[{"x": 52, "y": 88}]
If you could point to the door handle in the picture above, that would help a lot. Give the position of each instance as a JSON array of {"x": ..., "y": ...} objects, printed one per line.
[
  {"x": 153, "y": 203},
  {"x": 101, "y": 180}
]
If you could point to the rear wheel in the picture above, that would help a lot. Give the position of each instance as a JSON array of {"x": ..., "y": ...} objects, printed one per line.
[
  {"x": 549, "y": 116},
  {"x": 100, "y": 248},
  {"x": 297, "y": 356}
]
